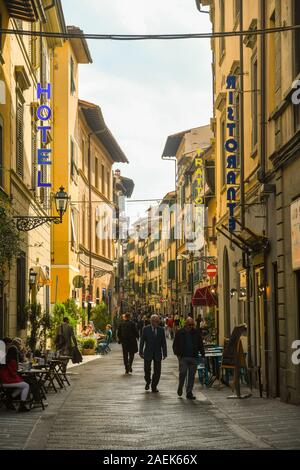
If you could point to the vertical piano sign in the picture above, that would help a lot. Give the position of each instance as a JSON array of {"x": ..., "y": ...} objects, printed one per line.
[{"x": 231, "y": 148}]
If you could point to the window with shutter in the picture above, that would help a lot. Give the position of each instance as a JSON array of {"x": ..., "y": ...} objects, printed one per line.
[
  {"x": 74, "y": 169},
  {"x": 96, "y": 173},
  {"x": 1, "y": 42},
  {"x": 20, "y": 137},
  {"x": 72, "y": 78},
  {"x": 33, "y": 157},
  {"x": 296, "y": 39},
  {"x": 171, "y": 270},
  {"x": 102, "y": 179},
  {"x": 33, "y": 47}
]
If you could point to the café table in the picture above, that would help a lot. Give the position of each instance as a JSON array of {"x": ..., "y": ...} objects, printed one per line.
[
  {"x": 36, "y": 377},
  {"x": 208, "y": 370}
]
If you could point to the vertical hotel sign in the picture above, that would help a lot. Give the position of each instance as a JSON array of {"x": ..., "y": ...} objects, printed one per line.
[
  {"x": 43, "y": 114},
  {"x": 231, "y": 148}
]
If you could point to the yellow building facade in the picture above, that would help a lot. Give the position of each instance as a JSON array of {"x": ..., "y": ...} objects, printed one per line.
[
  {"x": 26, "y": 61},
  {"x": 64, "y": 259}
]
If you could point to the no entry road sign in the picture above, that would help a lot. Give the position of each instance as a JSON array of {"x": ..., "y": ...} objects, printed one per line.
[{"x": 211, "y": 270}]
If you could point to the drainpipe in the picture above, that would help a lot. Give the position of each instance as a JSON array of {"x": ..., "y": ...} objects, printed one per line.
[
  {"x": 262, "y": 178},
  {"x": 90, "y": 227},
  {"x": 246, "y": 259}
]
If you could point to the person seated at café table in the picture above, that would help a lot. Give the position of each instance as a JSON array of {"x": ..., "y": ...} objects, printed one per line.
[
  {"x": 85, "y": 331},
  {"x": 11, "y": 379},
  {"x": 107, "y": 334}
]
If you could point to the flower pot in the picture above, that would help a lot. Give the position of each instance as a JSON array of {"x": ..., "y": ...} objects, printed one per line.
[{"x": 88, "y": 352}]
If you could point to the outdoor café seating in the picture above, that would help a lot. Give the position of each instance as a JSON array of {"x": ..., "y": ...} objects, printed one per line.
[
  {"x": 44, "y": 374},
  {"x": 208, "y": 368}
]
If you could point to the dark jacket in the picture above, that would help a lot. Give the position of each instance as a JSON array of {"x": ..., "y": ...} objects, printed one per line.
[
  {"x": 151, "y": 346},
  {"x": 128, "y": 335},
  {"x": 179, "y": 340}
]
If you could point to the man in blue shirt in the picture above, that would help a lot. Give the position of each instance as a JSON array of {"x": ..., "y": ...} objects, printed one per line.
[{"x": 186, "y": 346}]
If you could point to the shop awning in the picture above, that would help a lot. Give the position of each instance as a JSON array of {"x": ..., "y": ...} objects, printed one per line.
[{"x": 204, "y": 297}]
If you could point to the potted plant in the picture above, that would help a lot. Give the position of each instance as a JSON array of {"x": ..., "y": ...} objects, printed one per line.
[{"x": 88, "y": 346}]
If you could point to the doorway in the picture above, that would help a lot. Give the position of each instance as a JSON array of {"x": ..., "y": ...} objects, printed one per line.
[
  {"x": 226, "y": 294},
  {"x": 259, "y": 323},
  {"x": 276, "y": 366}
]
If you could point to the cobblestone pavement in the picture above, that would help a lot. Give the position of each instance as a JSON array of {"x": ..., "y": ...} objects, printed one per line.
[{"x": 106, "y": 409}]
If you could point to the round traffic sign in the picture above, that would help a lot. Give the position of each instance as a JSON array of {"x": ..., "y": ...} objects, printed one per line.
[{"x": 211, "y": 270}]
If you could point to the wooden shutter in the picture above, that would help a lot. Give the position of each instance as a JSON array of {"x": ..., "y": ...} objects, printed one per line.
[
  {"x": 19, "y": 138},
  {"x": 33, "y": 157},
  {"x": 171, "y": 270}
]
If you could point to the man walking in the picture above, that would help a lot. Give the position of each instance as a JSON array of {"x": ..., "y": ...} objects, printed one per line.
[
  {"x": 65, "y": 338},
  {"x": 153, "y": 347},
  {"x": 127, "y": 336},
  {"x": 186, "y": 346}
]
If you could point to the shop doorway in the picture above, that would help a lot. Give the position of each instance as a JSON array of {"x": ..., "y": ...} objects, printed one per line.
[
  {"x": 276, "y": 366},
  {"x": 226, "y": 294},
  {"x": 259, "y": 324}
]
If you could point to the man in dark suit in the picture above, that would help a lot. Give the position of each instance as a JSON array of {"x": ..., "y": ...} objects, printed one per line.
[
  {"x": 127, "y": 336},
  {"x": 153, "y": 347}
]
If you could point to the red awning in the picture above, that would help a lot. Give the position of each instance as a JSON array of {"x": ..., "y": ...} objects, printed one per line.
[{"x": 204, "y": 297}]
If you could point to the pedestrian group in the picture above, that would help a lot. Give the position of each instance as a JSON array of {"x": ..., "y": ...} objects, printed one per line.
[{"x": 152, "y": 333}]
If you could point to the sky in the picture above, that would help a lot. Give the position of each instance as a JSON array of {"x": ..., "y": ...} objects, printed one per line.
[{"x": 147, "y": 90}]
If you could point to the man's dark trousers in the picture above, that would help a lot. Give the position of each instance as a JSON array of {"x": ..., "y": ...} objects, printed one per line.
[
  {"x": 156, "y": 372},
  {"x": 187, "y": 367},
  {"x": 127, "y": 357}
]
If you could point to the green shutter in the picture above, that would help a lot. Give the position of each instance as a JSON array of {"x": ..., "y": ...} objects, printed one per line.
[{"x": 171, "y": 270}]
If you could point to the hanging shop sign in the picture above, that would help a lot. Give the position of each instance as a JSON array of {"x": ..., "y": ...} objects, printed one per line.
[
  {"x": 43, "y": 114},
  {"x": 199, "y": 190},
  {"x": 231, "y": 148},
  {"x": 295, "y": 233}
]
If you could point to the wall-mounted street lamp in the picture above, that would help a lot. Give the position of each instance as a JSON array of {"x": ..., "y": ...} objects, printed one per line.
[
  {"x": 26, "y": 223},
  {"x": 261, "y": 290},
  {"x": 32, "y": 278},
  {"x": 233, "y": 292},
  {"x": 243, "y": 292}
]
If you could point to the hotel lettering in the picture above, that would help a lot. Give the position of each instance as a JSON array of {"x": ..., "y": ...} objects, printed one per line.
[{"x": 43, "y": 114}]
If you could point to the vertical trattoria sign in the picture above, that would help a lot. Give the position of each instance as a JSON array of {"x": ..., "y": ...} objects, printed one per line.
[
  {"x": 231, "y": 147},
  {"x": 44, "y": 115}
]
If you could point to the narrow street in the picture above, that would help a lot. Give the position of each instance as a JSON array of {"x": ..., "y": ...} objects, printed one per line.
[{"x": 105, "y": 409}]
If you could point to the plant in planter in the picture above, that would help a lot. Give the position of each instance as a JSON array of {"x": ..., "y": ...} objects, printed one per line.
[{"x": 88, "y": 346}]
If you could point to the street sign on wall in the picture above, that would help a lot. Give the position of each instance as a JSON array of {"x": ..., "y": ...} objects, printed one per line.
[{"x": 211, "y": 270}]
